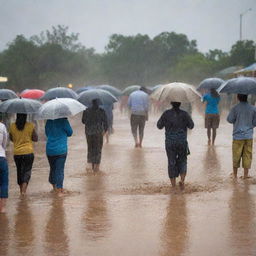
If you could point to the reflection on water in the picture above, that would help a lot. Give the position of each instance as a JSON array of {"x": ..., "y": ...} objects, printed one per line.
[
  {"x": 211, "y": 160},
  {"x": 4, "y": 234},
  {"x": 95, "y": 218},
  {"x": 175, "y": 227},
  {"x": 55, "y": 233},
  {"x": 24, "y": 228},
  {"x": 242, "y": 220}
]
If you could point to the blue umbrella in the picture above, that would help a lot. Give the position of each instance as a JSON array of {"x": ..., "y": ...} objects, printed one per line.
[
  {"x": 6, "y": 94},
  {"x": 104, "y": 97},
  {"x": 239, "y": 85},
  {"x": 116, "y": 92},
  {"x": 210, "y": 83},
  {"x": 59, "y": 92},
  {"x": 22, "y": 106}
]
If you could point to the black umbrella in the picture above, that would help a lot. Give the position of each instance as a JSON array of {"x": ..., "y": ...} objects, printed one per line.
[
  {"x": 210, "y": 83},
  {"x": 6, "y": 94},
  {"x": 239, "y": 85},
  {"x": 22, "y": 106},
  {"x": 59, "y": 92}
]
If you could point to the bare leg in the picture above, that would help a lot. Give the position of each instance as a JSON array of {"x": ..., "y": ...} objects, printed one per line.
[
  {"x": 235, "y": 172},
  {"x": 173, "y": 182},
  {"x": 107, "y": 137},
  {"x": 182, "y": 180},
  {"x": 60, "y": 192},
  {"x": 214, "y": 133},
  {"x": 246, "y": 171},
  {"x": 24, "y": 188},
  {"x": 96, "y": 167},
  {"x": 209, "y": 135},
  {"x": 2, "y": 205}
]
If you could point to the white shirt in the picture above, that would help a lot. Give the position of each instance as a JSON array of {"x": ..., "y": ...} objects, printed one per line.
[{"x": 3, "y": 139}]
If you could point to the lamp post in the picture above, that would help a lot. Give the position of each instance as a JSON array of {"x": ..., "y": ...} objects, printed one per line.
[{"x": 241, "y": 18}]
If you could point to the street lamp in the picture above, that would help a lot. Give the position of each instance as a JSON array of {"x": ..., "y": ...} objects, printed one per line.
[{"x": 241, "y": 17}]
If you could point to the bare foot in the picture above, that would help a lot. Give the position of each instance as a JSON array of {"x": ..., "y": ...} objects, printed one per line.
[
  {"x": 209, "y": 142},
  {"x": 182, "y": 186}
]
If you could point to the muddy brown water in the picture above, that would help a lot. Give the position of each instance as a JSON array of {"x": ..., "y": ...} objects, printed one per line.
[{"x": 128, "y": 208}]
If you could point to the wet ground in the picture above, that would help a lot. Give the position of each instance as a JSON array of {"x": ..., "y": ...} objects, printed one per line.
[{"x": 128, "y": 208}]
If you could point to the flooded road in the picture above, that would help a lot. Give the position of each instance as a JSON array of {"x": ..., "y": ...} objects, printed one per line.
[{"x": 128, "y": 208}]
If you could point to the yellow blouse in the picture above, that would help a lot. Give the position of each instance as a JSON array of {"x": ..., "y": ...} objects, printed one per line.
[{"x": 22, "y": 140}]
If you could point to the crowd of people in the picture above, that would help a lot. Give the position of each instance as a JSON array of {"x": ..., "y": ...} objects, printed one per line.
[{"x": 98, "y": 122}]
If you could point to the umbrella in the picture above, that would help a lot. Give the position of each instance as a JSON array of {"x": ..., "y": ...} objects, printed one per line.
[
  {"x": 179, "y": 92},
  {"x": 22, "y": 106},
  {"x": 59, "y": 108},
  {"x": 59, "y": 92},
  {"x": 32, "y": 94},
  {"x": 105, "y": 97},
  {"x": 210, "y": 83},
  {"x": 239, "y": 85},
  {"x": 116, "y": 92},
  {"x": 6, "y": 94},
  {"x": 128, "y": 90},
  {"x": 3, "y": 79},
  {"x": 85, "y": 88}
]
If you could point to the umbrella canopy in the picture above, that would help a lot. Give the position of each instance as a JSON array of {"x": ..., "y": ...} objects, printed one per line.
[
  {"x": 59, "y": 92},
  {"x": 128, "y": 90},
  {"x": 179, "y": 92},
  {"x": 116, "y": 92},
  {"x": 83, "y": 89},
  {"x": 210, "y": 83},
  {"x": 59, "y": 108},
  {"x": 32, "y": 94},
  {"x": 22, "y": 106},
  {"x": 6, "y": 94},
  {"x": 250, "y": 68},
  {"x": 239, "y": 85},
  {"x": 105, "y": 97},
  {"x": 3, "y": 79}
]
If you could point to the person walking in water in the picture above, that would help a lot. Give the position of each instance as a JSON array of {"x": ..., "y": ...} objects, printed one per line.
[
  {"x": 212, "y": 117},
  {"x": 96, "y": 125},
  {"x": 4, "y": 181},
  {"x": 176, "y": 123},
  {"x": 243, "y": 118},
  {"x": 57, "y": 132},
  {"x": 138, "y": 103},
  {"x": 22, "y": 134}
]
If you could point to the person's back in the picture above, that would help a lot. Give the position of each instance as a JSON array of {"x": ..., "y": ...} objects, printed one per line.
[
  {"x": 138, "y": 102},
  {"x": 57, "y": 132},
  {"x": 212, "y": 104},
  {"x": 22, "y": 139},
  {"x": 95, "y": 121},
  {"x": 243, "y": 118}
]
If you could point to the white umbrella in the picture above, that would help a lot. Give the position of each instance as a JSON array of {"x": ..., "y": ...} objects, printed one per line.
[
  {"x": 59, "y": 108},
  {"x": 179, "y": 92}
]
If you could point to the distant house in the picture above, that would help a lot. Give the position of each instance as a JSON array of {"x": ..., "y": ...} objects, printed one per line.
[
  {"x": 228, "y": 72},
  {"x": 247, "y": 71}
]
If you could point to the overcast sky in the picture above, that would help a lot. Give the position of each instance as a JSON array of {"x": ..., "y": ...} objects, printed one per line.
[{"x": 212, "y": 23}]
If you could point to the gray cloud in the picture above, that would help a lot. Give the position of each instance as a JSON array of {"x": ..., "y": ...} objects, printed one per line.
[{"x": 213, "y": 23}]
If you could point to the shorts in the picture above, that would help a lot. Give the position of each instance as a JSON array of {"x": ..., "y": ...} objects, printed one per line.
[
  {"x": 242, "y": 149},
  {"x": 212, "y": 121}
]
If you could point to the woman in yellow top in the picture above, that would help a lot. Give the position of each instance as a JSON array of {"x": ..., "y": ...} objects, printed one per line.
[{"x": 22, "y": 134}]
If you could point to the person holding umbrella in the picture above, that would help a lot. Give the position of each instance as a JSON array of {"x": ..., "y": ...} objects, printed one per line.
[
  {"x": 3, "y": 168},
  {"x": 138, "y": 103},
  {"x": 212, "y": 117},
  {"x": 243, "y": 118},
  {"x": 22, "y": 134},
  {"x": 96, "y": 125},
  {"x": 176, "y": 122}
]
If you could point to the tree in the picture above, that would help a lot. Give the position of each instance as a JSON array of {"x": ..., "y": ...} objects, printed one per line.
[
  {"x": 60, "y": 36},
  {"x": 242, "y": 53}
]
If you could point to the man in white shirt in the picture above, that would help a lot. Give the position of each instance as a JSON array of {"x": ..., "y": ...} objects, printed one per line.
[{"x": 138, "y": 103}]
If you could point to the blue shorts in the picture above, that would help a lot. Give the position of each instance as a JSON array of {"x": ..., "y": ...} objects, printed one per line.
[{"x": 4, "y": 180}]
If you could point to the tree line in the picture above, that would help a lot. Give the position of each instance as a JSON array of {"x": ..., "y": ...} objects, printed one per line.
[{"x": 56, "y": 58}]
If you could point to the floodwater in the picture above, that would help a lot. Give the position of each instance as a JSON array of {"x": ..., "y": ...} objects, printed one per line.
[{"x": 128, "y": 208}]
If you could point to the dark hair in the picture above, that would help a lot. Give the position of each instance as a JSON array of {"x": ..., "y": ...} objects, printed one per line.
[
  {"x": 242, "y": 97},
  {"x": 21, "y": 120},
  {"x": 95, "y": 103},
  {"x": 214, "y": 93},
  {"x": 175, "y": 105},
  {"x": 143, "y": 88}
]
